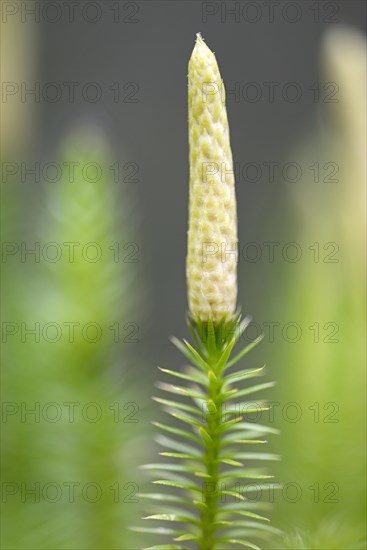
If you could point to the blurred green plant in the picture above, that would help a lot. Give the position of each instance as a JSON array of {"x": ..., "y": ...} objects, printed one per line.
[
  {"x": 88, "y": 453},
  {"x": 323, "y": 373}
]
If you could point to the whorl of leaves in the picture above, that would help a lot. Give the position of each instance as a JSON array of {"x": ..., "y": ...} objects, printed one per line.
[{"x": 210, "y": 460}]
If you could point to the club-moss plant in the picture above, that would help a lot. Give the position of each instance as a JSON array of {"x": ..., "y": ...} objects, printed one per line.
[{"x": 207, "y": 467}]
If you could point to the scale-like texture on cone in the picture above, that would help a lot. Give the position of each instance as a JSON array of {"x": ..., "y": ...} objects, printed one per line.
[{"x": 211, "y": 267}]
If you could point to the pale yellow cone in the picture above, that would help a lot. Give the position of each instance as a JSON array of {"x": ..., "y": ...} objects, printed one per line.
[{"x": 211, "y": 266}]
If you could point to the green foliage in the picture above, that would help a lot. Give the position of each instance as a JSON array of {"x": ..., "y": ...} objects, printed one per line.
[
  {"x": 207, "y": 467},
  {"x": 72, "y": 450}
]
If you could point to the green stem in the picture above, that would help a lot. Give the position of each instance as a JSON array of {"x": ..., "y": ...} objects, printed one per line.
[{"x": 212, "y": 448}]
